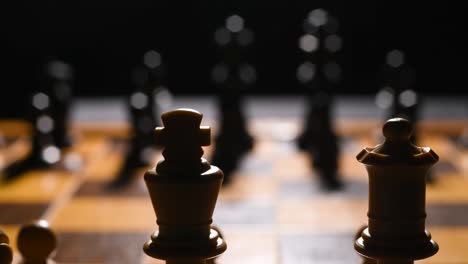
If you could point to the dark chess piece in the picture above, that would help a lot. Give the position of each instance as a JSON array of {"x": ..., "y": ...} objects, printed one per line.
[
  {"x": 36, "y": 243},
  {"x": 142, "y": 110},
  {"x": 6, "y": 254},
  {"x": 231, "y": 77},
  {"x": 183, "y": 189},
  {"x": 323, "y": 144},
  {"x": 44, "y": 152},
  {"x": 320, "y": 74},
  {"x": 397, "y": 170},
  {"x": 58, "y": 82}
]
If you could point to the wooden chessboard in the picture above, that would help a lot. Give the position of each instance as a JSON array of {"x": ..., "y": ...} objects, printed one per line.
[{"x": 273, "y": 212}]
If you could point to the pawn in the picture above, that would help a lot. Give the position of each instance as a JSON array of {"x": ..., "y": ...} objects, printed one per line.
[
  {"x": 36, "y": 242},
  {"x": 6, "y": 254},
  {"x": 397, "y": 187},
  {"x": 184, "y": 188}
]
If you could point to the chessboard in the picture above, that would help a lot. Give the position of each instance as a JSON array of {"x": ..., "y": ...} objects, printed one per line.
[{"x": 273, "y": 211}]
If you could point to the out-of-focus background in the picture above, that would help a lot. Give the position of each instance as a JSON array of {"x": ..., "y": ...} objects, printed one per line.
[
  {"x": 293, "y": 91},
  {"x": 104, "y": 40}
]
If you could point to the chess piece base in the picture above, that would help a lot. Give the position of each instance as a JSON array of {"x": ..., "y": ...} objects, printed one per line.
[
  {"x": 409, "y": 249},
  {"x": 185, "y": 251}
]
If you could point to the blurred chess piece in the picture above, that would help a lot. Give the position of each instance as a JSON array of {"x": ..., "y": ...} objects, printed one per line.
[
  {"x": 48, "y": 117},
  {"x": 398, "y": 96},
  {"x": 58, "y": 84},
  {"x": 320, "y": 74},
  {"x": 44, "y": 151},
  {"x": 148, "y": 80},
  {"x": 232, "y": 75}
]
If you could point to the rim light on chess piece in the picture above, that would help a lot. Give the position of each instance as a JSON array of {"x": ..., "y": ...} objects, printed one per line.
[
  {"x": 184, "y": 188},
  {"x": 397, "y": 191}
]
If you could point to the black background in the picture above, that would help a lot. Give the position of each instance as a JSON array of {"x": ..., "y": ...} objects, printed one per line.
[{"x": 104, "y": 40}]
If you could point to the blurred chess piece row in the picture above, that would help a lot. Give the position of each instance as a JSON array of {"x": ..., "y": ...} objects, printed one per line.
[
  {"x": 49, "y": 105},
  {"x": 36, "y": 243}
]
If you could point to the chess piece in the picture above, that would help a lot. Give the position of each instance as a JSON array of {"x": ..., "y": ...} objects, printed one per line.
[
  {"x": 323, "y": 142},
  {"x": 36, "y": 242},
  {"x": 320, "y": 74},
  {"x": 6, "y": 254},
  {"x": 58, "y": 83},
  {"x": 233, "y": 75},
  {"x": 397, "y": 186},
  {"x": 183, "y": 189},
  {"x": 44, "y": 152},
  {"x": 141, "y": 104}
]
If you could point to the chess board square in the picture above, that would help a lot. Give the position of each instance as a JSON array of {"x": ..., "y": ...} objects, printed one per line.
[
  {"x": 103, "y": 248},
  {"x": 305, "y": 248},
  {"x": 21, "y": 213},
  {"x": 249, "y": 247},
  {"x": 444, "y": 214},
  {"x": 255, "y": 166},
  {"x": 246, "y": 213},
  {"x": 105, "y": 215},
  {"x": 35, "y": 186},
  {"x": 135, "y": 188},
  {"x": 448, "y": 189},
  {"x": 293, "y": 167},
  {"x": 258, "y": 189},
  {"x": 333, "y": 214},
  {"x": 452, "y": 245},
  {"x": 304, "y": 189}
]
